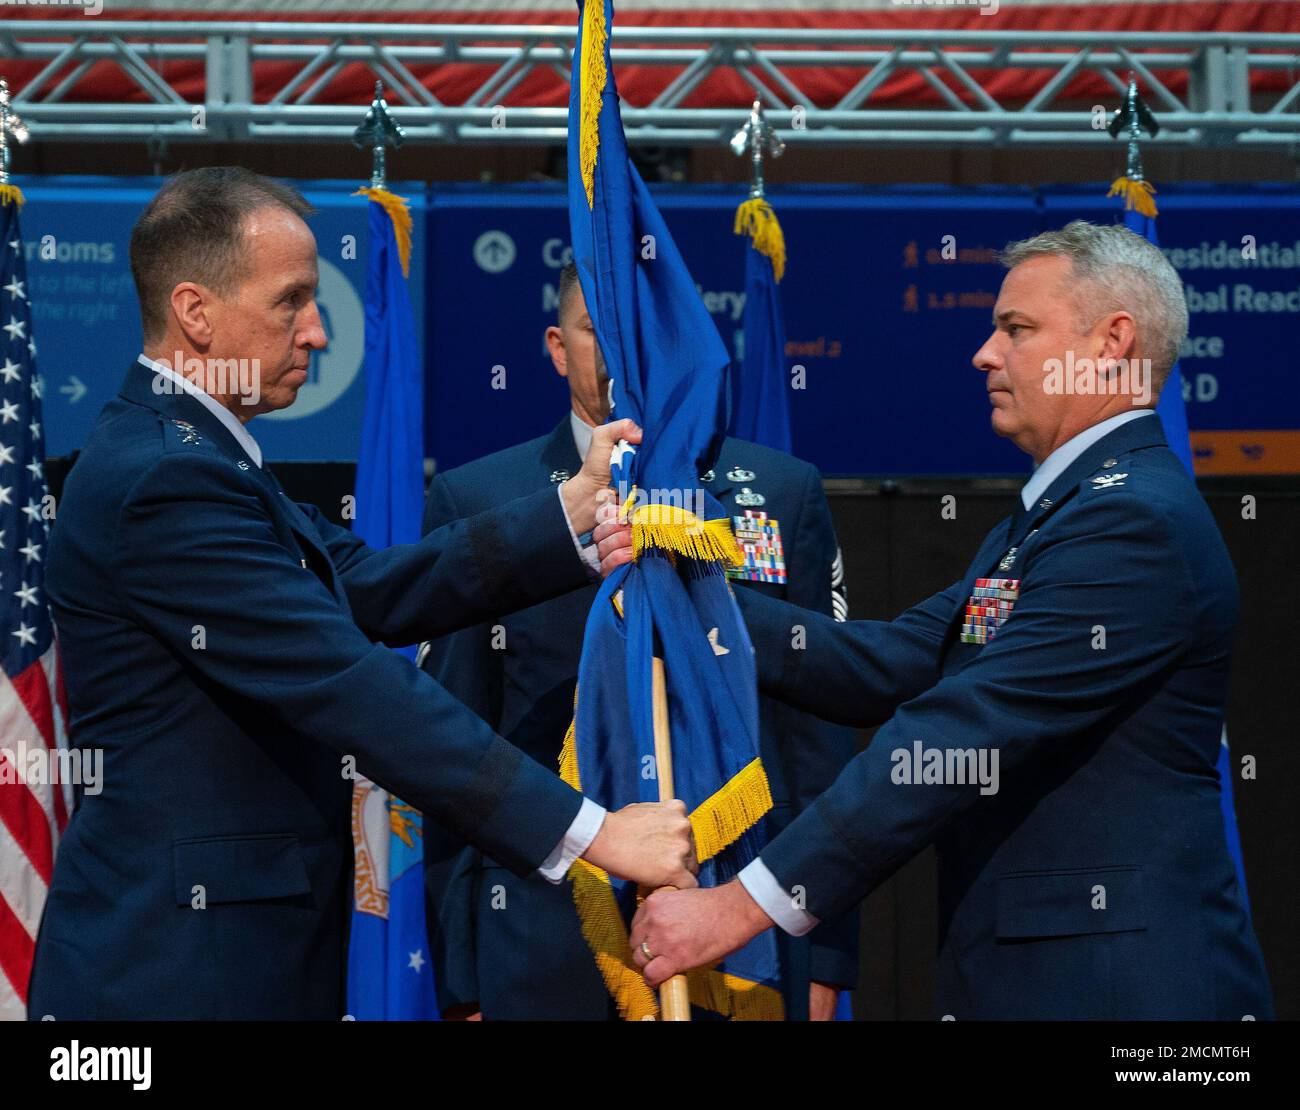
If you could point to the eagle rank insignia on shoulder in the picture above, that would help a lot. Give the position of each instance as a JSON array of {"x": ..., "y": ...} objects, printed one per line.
[{"x": 1108, "y": 481}]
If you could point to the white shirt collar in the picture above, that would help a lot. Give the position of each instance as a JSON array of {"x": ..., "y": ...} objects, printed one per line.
[
  {"x": 582, "y": 433},
  {"x": 1056, "y": 463},
  {"x": 227, "y": 418}
]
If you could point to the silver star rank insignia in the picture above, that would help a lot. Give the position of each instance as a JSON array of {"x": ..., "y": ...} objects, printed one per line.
[{"x": 189, "y": 434}]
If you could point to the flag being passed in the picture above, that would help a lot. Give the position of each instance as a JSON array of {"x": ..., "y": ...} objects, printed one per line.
[
  {"x": 389, "y": 974},
  {"x": 668, "y": 366}
]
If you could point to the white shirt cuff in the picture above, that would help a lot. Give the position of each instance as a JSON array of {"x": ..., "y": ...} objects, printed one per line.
[
  {"x": 773, "y": 901},
  {"x": 590, "y": 555},
  {"x": 576, "y": 841}
]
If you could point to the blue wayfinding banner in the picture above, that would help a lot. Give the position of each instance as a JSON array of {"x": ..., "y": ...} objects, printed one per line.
[
  {"x": 884, "y": 335},
  {"x": 887, "y": 296}
]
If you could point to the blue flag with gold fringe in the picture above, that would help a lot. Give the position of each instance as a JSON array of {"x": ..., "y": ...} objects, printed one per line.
[
  {"x": 760, "y": 409},
  {"x": 668, "y": 367},
  {"x": 1140, "y": 217},
  {"x": 390, "y": 977}
]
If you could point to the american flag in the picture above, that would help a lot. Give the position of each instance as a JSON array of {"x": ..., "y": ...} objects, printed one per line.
[{"x": 33, "y": 707}]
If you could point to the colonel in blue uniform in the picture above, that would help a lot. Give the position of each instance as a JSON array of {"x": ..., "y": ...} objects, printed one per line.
[
  {"x": 511, "y": 947},
  {"x": 1054, "y": 718},
  {"x": 224, "y": 648}
]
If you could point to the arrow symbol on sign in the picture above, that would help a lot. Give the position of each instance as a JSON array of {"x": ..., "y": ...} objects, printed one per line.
[{"x": 76, "y": 390}]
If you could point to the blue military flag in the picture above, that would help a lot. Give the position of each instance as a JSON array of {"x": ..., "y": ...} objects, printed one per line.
[
  {"x": 1140, "y": 217},
  {"x": 389, "y": 975},
  {"x": 760, "y": 410},
  {"x": 668, "y": 368}
]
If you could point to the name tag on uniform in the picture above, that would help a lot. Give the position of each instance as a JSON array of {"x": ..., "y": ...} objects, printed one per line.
[
  {"x": 759, "y": 537},
  {"x": 991, "y": 602}
]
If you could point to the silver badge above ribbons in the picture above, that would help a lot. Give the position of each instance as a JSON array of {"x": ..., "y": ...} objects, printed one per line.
[{"x": 749, "y": 498}]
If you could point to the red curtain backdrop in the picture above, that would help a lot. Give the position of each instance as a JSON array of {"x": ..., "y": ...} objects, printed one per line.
[{"x": 638, "y": 85}]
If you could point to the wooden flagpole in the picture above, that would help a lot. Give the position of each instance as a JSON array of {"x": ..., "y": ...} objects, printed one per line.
[{"x": 674, "y": 996}]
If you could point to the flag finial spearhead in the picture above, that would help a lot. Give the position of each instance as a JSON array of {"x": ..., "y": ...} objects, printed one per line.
[
  {"x": 11, "y": 127},
  {"x": 755, "y": 217},
  {"x": 1133, "y": 121},
  {"x": 378, "y": 131},
  {"x": 757, "y": 137}
]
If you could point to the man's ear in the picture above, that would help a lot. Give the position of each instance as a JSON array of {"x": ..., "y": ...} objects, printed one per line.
[
  {"x": 1118, "y": 336},
  {"x": 555, "y": 344},
  {"x": 190, "y": 304}
]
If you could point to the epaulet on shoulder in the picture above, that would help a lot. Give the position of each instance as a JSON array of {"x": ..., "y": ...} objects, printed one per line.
[
  {"x": 740, "y": 452},
  {"x": 181, "y": 436},
  {"x": 1144, "y": 491},
  {"x": 1120, "y": 474},
  {"x": 181, "y": 439},
  {"x": 1119, "y": 479}
]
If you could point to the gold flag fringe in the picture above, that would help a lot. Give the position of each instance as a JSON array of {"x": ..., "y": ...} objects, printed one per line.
[
  {"x": 723, "y": 816},
  {"x": 398, "y": 212},
  {"x": 569, "y": 751},
  {"x": 1137, "y": 195},
  {"x": 602, "y": 925},
  {"x": 593, "y": 76},
  {"x": 674, "y": 529},
  {"x": 733, "y": 997},
  {"x": 756, "y": 219},
  {"x": 606, "y": 933},
  {"x": 11, "y": 194}
]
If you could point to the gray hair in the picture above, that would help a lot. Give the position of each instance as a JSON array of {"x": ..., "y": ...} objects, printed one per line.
[{"x": 1116, "y": 269}]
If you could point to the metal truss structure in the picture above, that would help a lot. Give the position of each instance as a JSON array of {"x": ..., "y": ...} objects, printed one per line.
[{"x": 1221, "y": 74}]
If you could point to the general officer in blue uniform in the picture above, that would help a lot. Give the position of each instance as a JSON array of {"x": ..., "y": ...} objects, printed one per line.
[
  {"x": 1054, "y": 718},
  {"x": 224, "y": 647},
  {"x": 510, "y": 947}
]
